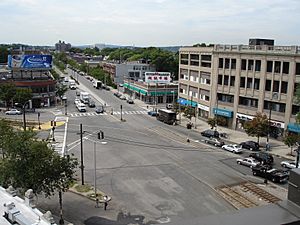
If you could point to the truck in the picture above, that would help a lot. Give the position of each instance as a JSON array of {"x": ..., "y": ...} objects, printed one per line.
[
  {"x": 84, "y": 97},
  {"x": 72, "y": 84},
  {"x": 166, "y": 116},
  {"x": 97, "y": 84}
]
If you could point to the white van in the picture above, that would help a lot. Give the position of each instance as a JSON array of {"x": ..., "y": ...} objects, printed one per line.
[{"x": 81, "y": 107}]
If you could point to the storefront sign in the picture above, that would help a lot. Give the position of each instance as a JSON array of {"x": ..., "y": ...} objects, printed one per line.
[
  {"x": 249, "y": 117},
  {"x": 203, "y": 107},
  {"x": 223, "y": 112},
  {"x": 158, "y": 77}
]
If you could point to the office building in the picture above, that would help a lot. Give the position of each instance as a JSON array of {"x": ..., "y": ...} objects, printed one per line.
[{"x": 61, "y": 46}]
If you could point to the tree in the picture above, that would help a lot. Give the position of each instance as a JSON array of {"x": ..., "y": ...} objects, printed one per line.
[
  {"x": 22, "y": 95},
  {"x": 290, "y": 140},
  {"x": 6, "y": 137},
  {"x": 30, "y": 163},
  {"x": 7, "y": 92},
  {"x": 189, "y": 112},
  {"x": 212, "y": 122},
  {"x": 258, "y": 127},
  {"x": 61, "y": 90}
]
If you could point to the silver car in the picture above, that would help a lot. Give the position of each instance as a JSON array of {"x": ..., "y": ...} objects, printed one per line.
[
  {"x": 13, "y": 112},
  {"x": 233, "y": 148},
  {"x": 289, "y": 164},
  {"x": 248, "y": 162}
]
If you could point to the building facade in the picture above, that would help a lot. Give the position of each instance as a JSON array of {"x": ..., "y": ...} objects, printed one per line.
[
  {"x": 237, "y": 81},
  {"x": 130, "y": 70},
  {"x": 61, "y": 46}
]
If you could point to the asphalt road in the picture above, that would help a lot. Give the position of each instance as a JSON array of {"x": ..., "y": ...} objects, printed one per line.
[{"x": 147, "y": 167}]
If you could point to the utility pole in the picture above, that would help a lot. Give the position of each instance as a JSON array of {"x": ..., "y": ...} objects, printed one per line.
[
  {"x": 81, "y": 155},
  {"x": 121, "y": 112}
]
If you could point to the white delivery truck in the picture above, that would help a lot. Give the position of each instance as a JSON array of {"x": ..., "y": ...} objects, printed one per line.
[
  {"x": 72, "y": 84},
  {"x": 81, "y": 107},
  {"x": 97, "y": 84},
  {"x": 84, "y": 97}
]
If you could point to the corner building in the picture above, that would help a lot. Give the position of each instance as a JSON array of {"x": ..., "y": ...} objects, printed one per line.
[{"x": 235, "y": 82}]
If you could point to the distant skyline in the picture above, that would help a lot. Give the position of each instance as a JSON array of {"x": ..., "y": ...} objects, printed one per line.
[{"x": 148, "y": 22}]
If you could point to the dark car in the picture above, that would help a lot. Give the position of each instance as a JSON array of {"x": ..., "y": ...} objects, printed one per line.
[
  {"x": 99, "y": 109},
  {"x": 251, "y": 145},
  {"x": 152, "y": 113},
  {"x": 91, "y": 104},
  {"x": 210, "y": 133},
  {"x": 263, "y": 157},
  {"x": 215, "y": 141},
  {"x": 275, "y": 175}
]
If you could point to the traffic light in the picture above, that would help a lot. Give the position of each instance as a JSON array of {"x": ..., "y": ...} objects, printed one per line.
[{"x": 101, "y": 135}]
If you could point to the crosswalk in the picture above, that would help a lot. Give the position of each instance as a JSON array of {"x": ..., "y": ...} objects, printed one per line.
[{"x": 105, "y": 113}]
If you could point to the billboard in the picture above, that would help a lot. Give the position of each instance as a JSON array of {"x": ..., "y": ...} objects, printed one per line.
[
  {"x": 158, "y": 77},
  {"x": 30, "y": 61}
]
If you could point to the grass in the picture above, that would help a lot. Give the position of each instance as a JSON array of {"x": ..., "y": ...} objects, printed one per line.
[{"x": 83, "y": 188}]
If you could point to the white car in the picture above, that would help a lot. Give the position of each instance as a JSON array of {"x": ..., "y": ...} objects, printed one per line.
[
  {"x": 122, "y": 97},
  {"x": 289, "y": 164},
  {"x": 77, "y": 100},
  {"x": 233, "y": 148},
  {"x": 81, "y": 107},
  {"x": 248, "y": 162},
  {"x": 13, "y": 112}
]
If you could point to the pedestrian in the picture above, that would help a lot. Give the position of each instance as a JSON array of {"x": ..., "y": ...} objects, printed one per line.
[
  {"x": 105, "y": 198},
  {"x": 105, "y": 205},
  {"x": 97, "y": 203}
]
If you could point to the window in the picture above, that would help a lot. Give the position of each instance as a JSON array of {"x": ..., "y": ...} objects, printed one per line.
[
  {"x": 194, "y": 63},
  {"x": 297, "y": 68},
  {"x": 184, "y": 56},
  {"x": 277, "y": 67},
  {"x": 257, "y": 65},
  {"x": 243, "y": 82},
  {"x": 184, "y": 62},
  {"x": 277, "y": 107},
  {"x": 227, "y": 62},
  {"x": 286, "y": 67},
  {"x": 220, "y": 79},
  {"x": 233, "y": 64},
  {"x": 256, "y": 84},
  {"x": 249, "y": 102},
  {"x": 194, "y": 57},
  {"x": 250, "y": 64},
  {"x": 244, "y": 63},
  {"x": 206, "y": 57},
  {"x": 295, "y": 109},
  {"x": 249, "y": 82},
  {"x": 284, "y": 86},
  {"x": 269, "y": 66},
  {"x": 225, "y": 98},
  {"x": 221, "y": 63},
  {"x": 232, "y": 80},
  {"x": 268, "y": 85},
  {"x": 205, "y": 64},
  {"x": 226, "y": 79},
  {"x": 275, "y": 86}
]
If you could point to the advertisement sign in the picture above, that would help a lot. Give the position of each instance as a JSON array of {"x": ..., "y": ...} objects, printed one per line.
[
  {"x": 30, "y": 61},
  {"x": 158, "y": 77}
]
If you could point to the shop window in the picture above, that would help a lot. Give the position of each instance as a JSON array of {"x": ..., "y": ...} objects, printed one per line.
[
  {"x": 233, "y": 64},
  {"x": 269, "y": 66},
  {"x": 256, "y": 83},
  {"x": 243, "y": 82},
  {"x": 250, "y": 64},
  {"x": 257, "y": 65},
  {"x": 227, "y": 62},
  {"x": 220, "y": 79},
  {"x": 244, "y": 64},
  {"x": 221, "y": 63},
  {"x": 268, "y": 85},
  {"x": 284, "y": 86},
  {"x": 277, "y": 67},
  {"x": 275, "y": 86},
  {"x": 226, "y": 80},
  {"x": 297, "y": 68},
  {"x": 249, "y": 82},
  {"x": 232, "y": 80},
  {"x": 286, "y": 67}
]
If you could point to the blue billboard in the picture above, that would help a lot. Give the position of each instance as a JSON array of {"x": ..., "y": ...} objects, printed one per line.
[{"x": 30, "y": 61}]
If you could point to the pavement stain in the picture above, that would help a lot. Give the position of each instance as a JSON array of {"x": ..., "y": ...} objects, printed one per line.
[{"x": 47, "y": 125}]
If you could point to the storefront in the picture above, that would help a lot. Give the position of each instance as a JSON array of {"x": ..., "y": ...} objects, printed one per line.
[
  {"x": 293, "y": 128},
  {"x": 185, "y": 102},
  {"x": 225, "y": 115},
  {"x": 203, "y": 111}
]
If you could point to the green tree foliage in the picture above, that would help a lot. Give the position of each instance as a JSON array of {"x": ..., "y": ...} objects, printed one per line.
[
  {"x": 22, "y": 95},
  {"x": 258, "y": 127},
  {"x": 212, "y": 122},
  {"x": 76, "y": 50},
  {"x": 189, "y": 112},
  {"x": 61, "y": 90},
  {"x": 99, "y": 74},
  {"x": 3, "y": 54},
  {"x": 7, "y": 92},
  {"x": 30, "y": 163},
  {"x": 290, "y": 140},
  {"x": 6, "y": 138}
]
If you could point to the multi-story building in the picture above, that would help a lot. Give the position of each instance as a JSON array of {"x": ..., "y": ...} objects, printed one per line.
[
  {"x": 62, "y": 46},
  {"x": 237, "y": 81},
  {"x": 130, "y": 70}
]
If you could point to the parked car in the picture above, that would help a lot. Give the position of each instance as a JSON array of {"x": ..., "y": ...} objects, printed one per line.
[
  {"x": 152, "y": 113},
  {"x": 251, "y": 145},
  {"x": 248, "y": 162},
  {"x": 64, "y": 98},
  {"x": 263, "y": 157},
  {"x": 77, "y": 100},
  {"x": 130, "y": 101},
  {"x": 122, "y": 97},
  {"x": 214, "y": 141},
  {"x": 233, "y": 148},
  {"x": 117, "y": 94},
  {"x": 210, "y": 133},
  {"x": 77, "y": 93},
  {"x": 13, "y": 112},
  {"x": 99, "y": 109},
  {"x": 289, "y": 164},
  {"x": 275, "y": 175},
  {"x": 91, "y": 104}
]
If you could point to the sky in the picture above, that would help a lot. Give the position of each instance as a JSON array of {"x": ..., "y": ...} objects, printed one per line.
[{"x": 149, "y": 22}]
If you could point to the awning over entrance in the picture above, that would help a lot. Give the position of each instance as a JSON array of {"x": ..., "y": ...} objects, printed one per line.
[
  {"x": 223, "y": 112},
  {"x": 293, "y": 127},
  {"x": 186, "y": 102},
  {"x": 136, "y": 89}
]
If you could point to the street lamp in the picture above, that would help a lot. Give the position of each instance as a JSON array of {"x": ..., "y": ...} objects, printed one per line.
[
  {"x": 275, "y": 97},
  {"x": 121, "y": 107},
  {"x": 23, "y": 110},
  {"x": 39, "y": 114},
  {"x": 66, "y": 106}
]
